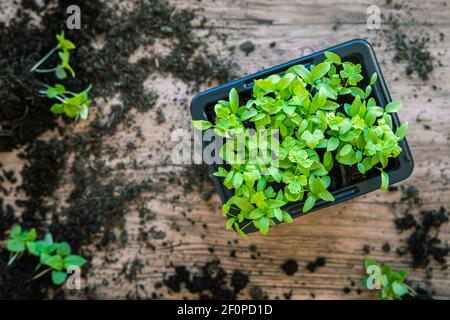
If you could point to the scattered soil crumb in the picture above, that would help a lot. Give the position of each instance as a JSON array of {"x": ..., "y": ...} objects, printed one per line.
[{"x": 257, "y": 293}]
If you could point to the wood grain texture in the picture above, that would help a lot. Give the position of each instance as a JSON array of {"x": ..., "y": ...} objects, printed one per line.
[{"x": 337, "y": 233}]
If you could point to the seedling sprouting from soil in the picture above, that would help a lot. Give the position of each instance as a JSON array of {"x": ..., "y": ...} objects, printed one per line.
[
  {"x": 324, "y": 116},
  {"x": 390, "y": 283},
  {"x": 72, "y": 104},
  {"x": 54, "y": 257},
  {"x": 63, "y": 48}
]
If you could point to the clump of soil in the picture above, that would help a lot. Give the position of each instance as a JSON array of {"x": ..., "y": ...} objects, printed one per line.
[
  {"x": 239, "y": 280},
  {"x": 257, "y": 293},
  {"x": 386, "y": 247},
  {"x": 210, "y": 282},
  {"x": 415, "y": 53},
  {"x": 423, "y": 243},
  {"x": 319, "y": 262},
  {"x": 22, "y": 117},
  {"x": 290, "y": 267},
  {"x": 16, "y": 280},
  {"x": 420, "y": 227},
  {"x": 367, "y": 248},
  {"x": 406, "y": 222},
  {"x": 411, "y": 193},
  {"x": 247, "y": 47}
]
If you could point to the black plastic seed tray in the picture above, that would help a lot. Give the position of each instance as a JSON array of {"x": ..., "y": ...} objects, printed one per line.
[{"x": 347, "y": 183}]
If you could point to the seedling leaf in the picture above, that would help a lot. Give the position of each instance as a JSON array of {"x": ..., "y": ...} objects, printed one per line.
[
  {"x": 74, "y": 260},
  {"x": 309, "y": 203},
  {"x": 393, "y": 106},
  {"x": 332, "y": 57}
]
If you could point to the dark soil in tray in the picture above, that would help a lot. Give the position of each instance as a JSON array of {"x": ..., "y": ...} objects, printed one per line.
[{"x": 352, "y": 174}]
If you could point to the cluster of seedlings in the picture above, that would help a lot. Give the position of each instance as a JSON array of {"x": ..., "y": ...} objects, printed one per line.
[
  {"x": 54, "y": 257},
  {"x": 323, "y": 115},
  {"x": 63, "y": 50}
]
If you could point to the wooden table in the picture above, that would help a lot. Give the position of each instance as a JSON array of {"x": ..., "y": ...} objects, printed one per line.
[{"x": 338, "y": 233}]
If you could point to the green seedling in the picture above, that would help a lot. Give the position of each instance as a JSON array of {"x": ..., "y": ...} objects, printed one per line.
[
  {"x": 55, "y": 257},
  {"x": 316, "y": 129},
  {"x": 63, "y": 48},
  {"x": 19, "y": 242},
  {"x": 390, "y": 283},
  {"x": 72, "y": 104}
]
